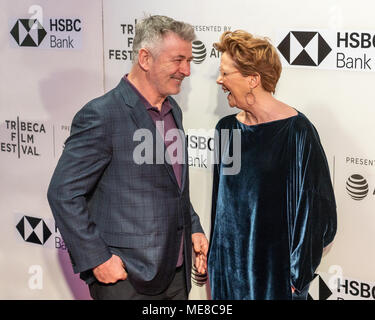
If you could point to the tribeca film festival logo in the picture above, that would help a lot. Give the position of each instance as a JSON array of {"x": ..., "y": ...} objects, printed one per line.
[
  {"x": 22, "y": 137},
  {"x": 44, "y": 32},
  {"x": 201, "y": 146},
  {"x": 328, "y": 49},
  {"x": 127, "y": 30},
  {"x": 39, "y": 231}
]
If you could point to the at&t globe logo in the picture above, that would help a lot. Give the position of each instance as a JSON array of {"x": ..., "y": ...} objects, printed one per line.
[
  {"x": 357, "y": 187},
  {"x": 199, "y": 51}
]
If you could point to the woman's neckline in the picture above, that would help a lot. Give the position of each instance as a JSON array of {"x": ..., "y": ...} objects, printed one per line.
[{"x": 267, "y": 122}]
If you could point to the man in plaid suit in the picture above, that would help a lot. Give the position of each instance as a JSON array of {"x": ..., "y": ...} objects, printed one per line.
[{"x": 127, "y": 220}]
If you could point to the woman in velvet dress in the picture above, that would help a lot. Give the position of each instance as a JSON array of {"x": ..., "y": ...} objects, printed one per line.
[{"x": 270, "y": 221}]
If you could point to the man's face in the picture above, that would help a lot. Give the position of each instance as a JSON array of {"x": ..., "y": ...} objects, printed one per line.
[{"x": 170, "y": 65}]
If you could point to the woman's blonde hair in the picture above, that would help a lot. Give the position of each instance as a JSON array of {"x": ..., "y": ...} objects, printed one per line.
[{"x": 251, "y": 56}]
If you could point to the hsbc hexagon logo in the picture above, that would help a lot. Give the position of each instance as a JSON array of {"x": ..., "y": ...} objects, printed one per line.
[
  {"x": 304, "y": 48},
  {"x": 33, "y": 230},
  {"x": 319, "y": 290},
  {"x": 28, "y": 32}
]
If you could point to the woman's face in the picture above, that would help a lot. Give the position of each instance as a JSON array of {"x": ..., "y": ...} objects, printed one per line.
[{"x": 233, "y": 82}]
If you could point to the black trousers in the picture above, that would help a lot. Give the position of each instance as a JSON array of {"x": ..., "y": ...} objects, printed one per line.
[{"x": 123, "y": 290}]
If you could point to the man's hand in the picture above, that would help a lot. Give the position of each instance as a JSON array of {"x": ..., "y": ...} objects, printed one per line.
[
  {"x": 200, "y": 246},
  {"x": 111, "y": 270}
]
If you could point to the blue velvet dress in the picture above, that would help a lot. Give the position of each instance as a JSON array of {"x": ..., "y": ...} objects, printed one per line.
[{"x": 271, "y": 221}]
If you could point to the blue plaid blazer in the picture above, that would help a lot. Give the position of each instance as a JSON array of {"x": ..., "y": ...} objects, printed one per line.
[{"x": 104, "y": 203}]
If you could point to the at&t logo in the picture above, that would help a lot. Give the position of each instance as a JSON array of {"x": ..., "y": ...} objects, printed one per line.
[
  {"x": 357, "y": 187},
  {"x": 199, "y": 51}
]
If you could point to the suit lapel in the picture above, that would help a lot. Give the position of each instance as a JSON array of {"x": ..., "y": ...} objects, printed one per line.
[
  {"x": 178, "y": 120},
  {"x": 137, "y": 109},
  {"x": 143, "y": 120},
  {"x": 176, "y": 116}
]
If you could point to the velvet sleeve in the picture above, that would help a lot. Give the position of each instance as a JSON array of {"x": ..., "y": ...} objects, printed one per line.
[{"x": 311, "y": 206}]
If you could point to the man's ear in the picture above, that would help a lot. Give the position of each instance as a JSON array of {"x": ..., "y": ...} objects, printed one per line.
[{"x": 144, "y": 59}]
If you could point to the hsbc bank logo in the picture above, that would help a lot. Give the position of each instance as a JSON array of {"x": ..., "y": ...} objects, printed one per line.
[
  {"x": 319, "y": 289},
  {"x": 334, "y": 286},
  {"x": 45, "y": 32},
  {"x": 327, "y": 49},
  {"x": 39, "y": 231},
  {"x": 33, "y": 230},
  {"x": 304, "y": 48},
  {"x": 28, "y": 32}
]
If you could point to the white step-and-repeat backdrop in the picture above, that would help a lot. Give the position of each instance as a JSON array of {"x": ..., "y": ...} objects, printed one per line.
[{"x": 77, "y": 50}]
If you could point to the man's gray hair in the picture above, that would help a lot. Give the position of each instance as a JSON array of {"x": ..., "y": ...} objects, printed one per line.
[{"x": 149, "y": 32}]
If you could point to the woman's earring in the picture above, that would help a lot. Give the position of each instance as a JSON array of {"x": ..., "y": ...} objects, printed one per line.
[{"x": 250, "y": 98}]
